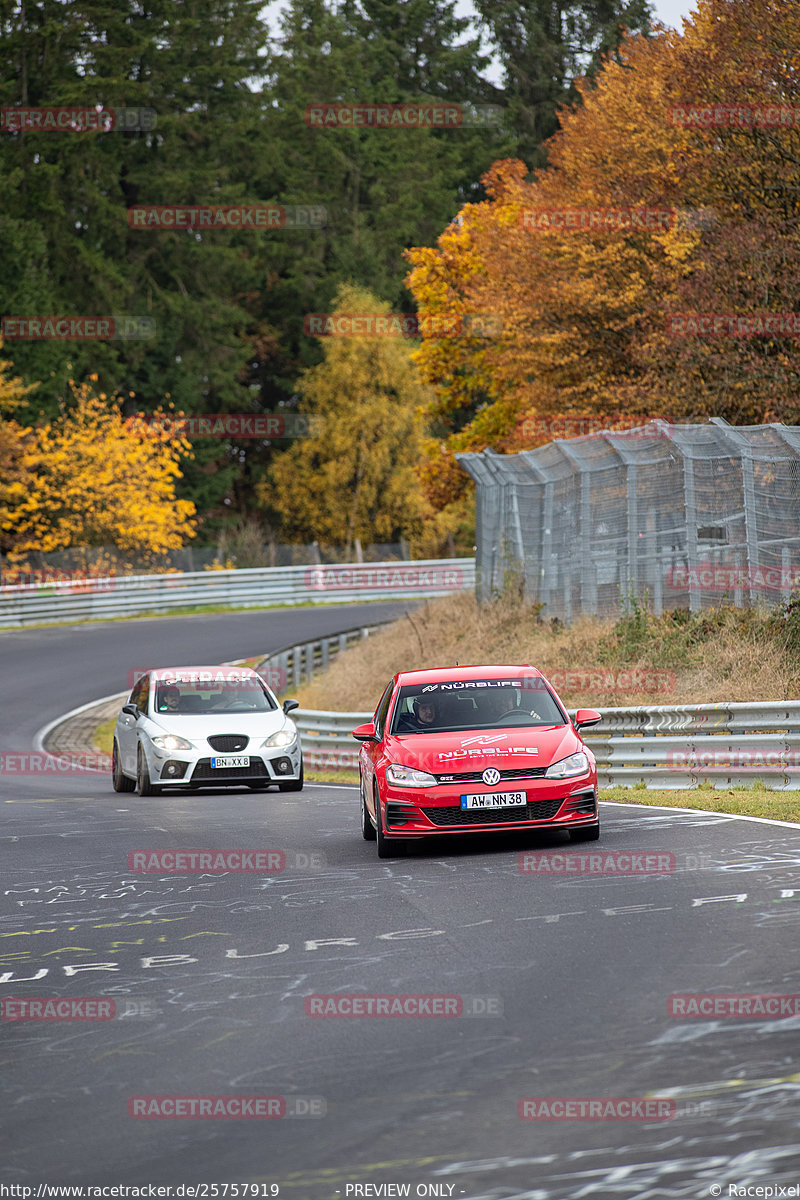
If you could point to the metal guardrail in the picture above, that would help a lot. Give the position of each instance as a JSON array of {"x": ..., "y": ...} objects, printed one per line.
[
  {"x": 288, "y": 668},
  {"x": 662, "y": 747},
  {"x": 129, "y": 595}
]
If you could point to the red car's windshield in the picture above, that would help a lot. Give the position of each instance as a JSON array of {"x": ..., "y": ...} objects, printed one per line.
[{"x": 450, "y": 707}]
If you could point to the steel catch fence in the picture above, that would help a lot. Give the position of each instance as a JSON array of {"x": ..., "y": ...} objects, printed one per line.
[{"x": 677, "y": 516}]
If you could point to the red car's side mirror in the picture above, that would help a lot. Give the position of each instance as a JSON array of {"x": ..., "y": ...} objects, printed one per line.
[
  {"x": 365, "y": 733},
  {"x": 587, "y": 716}
]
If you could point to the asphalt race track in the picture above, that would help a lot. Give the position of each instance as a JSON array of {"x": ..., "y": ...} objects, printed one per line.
[{"x": 561, "y": 981}]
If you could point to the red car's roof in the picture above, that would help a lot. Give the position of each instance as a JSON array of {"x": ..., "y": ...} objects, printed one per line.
[{"x": 451, "y": 674}]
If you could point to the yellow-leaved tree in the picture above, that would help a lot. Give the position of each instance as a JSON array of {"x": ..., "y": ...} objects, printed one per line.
[
  {"x": 355, "y": 477},
  {"x": 13, "y": 479},
  {"x": 94, "y": 478}
]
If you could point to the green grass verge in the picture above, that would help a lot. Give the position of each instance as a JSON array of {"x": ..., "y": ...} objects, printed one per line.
[
  {"x": 104, "y": 735},
  {"x": 754, "y": 801}
]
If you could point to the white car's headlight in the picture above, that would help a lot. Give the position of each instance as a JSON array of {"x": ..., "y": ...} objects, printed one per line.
[
  {"x": 408, "y": 776},
  {"x": 171, "y": 741},
  {"x": 576, "y": 764},
  {"x": 284, "y": 737}
]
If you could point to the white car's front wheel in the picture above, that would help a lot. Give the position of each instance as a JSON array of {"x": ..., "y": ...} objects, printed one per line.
[
  {"x": 143, "y": 785},
  {"x": 121, "y": 783}
]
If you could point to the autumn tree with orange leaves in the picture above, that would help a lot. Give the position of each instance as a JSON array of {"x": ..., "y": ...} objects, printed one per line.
[{"x": 693, "y": 218}]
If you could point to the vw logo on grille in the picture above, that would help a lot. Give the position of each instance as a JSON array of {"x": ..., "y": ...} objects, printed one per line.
[{"x": 491, "y": 776}]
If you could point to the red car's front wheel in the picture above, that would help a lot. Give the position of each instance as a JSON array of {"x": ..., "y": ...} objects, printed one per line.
[{"x": 387, "y": 847}]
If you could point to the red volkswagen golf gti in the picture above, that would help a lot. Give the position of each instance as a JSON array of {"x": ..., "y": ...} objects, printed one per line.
[{"x": 474, "y": 750}]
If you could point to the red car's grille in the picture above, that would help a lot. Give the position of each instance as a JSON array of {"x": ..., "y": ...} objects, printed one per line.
[
  {"x": 541, "y": 810},
  {"x": 475, "y": 776}
]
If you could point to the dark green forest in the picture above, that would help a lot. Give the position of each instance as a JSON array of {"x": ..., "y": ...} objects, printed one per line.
[{"x": 229, "y": 95}]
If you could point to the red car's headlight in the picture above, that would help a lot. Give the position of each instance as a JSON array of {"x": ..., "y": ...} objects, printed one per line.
[
  {"x": 576, "y": 764},
  {"x": 408, "y": 776}
]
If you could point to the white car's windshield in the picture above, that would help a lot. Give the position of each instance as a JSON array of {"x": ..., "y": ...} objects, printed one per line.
[
  {"x": 449, "y": 707},
  {"x": 181, "y": 698}
]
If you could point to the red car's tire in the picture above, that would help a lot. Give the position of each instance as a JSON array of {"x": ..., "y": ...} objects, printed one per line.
[{"x": 387, "y": 847}]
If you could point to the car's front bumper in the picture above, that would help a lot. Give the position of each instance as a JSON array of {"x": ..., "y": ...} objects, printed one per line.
[
  {"x": 268, "y": 766},
  {"x": 428, "y": 812}
]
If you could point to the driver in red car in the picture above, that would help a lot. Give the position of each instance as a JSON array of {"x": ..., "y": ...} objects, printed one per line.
[
  {"x": 425, "y": 716},
  {"x": 505, "y": 702}
]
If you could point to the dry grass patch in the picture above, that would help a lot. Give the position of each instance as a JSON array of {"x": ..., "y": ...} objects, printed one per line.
[{"x": 727, "y": 654}]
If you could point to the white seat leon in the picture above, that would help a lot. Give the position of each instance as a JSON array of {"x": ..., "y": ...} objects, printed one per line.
[{"x": 184, "y": 728}]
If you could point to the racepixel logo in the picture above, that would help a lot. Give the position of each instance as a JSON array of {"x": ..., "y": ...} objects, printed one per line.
[
  {"x": 764, "y": 1005},
  {"x": 77, "y": 1008},
  {"x": 231, "y": 1108},
  {"x": 227, "y": 216},
  {"x": 402, "y": 325},
  {"x": 402, "y": 1005},
  {"x": 608, "y": 863},
  {"x": 596, "y": 1108},
  {"x": 87, "y": 119},
  {"x": 77, "y": 329}
]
